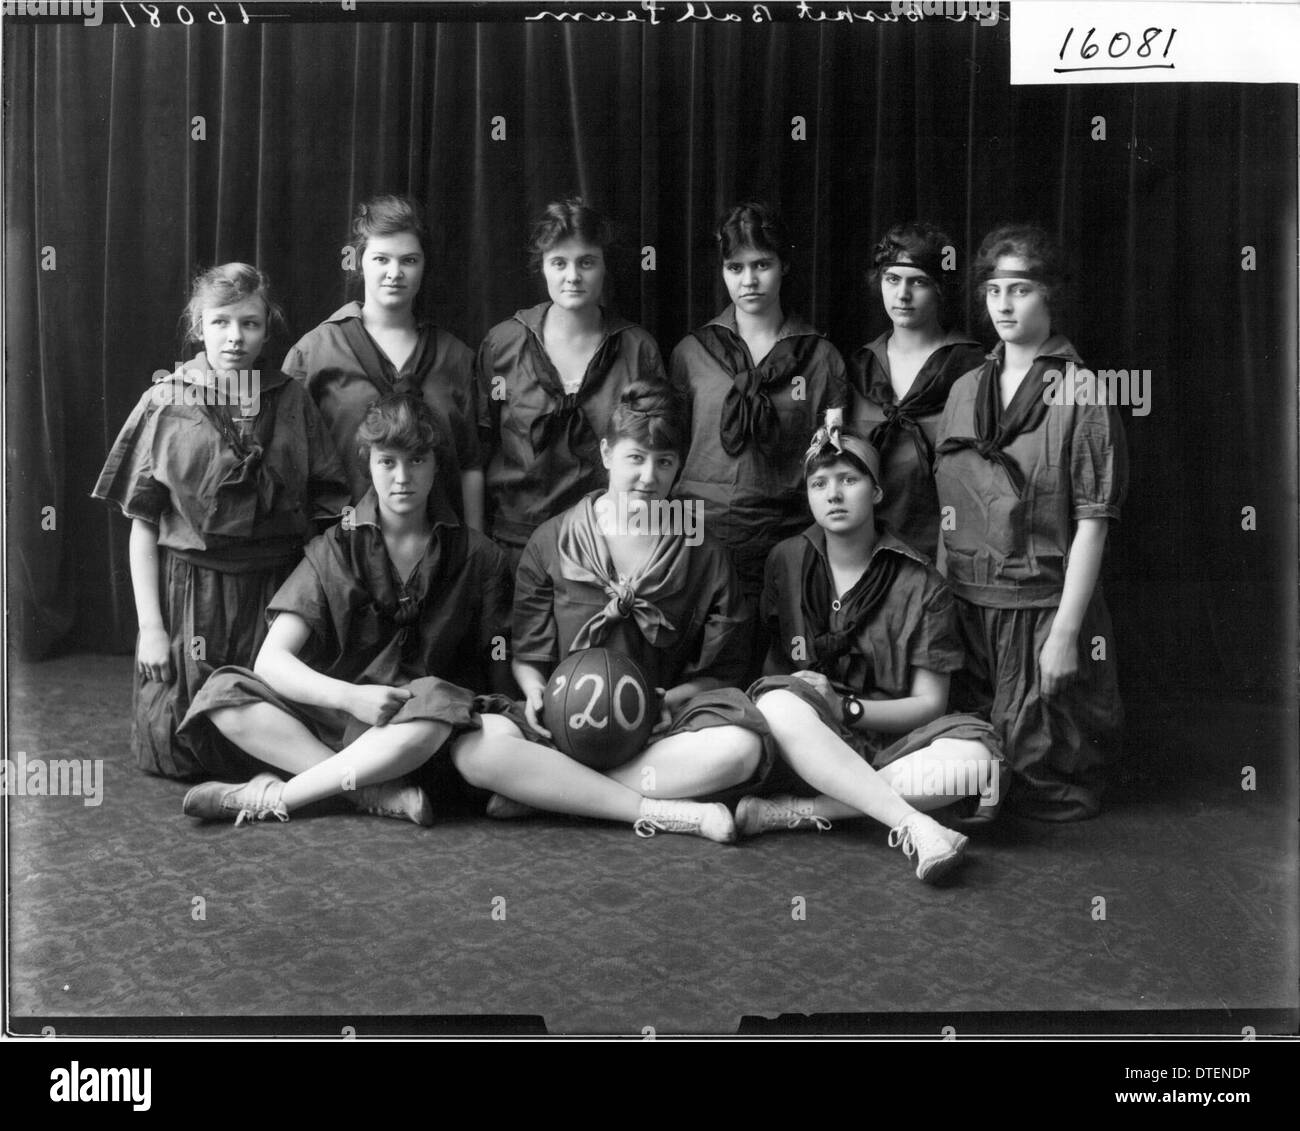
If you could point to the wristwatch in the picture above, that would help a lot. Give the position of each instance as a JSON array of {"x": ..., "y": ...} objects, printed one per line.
[{"x": 851, "y": 708}]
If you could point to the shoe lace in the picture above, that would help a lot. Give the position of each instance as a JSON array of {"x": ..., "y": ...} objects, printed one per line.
[
  {"x": 260, "y": 814},
  {"x": 797, "y": 816},
  {"x": 901, "y": 837},
  {"x": 667, "y": 818},
  {"x": 262, "y": 808}
]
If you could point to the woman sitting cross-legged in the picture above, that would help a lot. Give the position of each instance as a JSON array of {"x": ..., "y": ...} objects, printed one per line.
[
  {"x": 862, "y": 647},
  {"x": 351, "y": 689},
  {"x": 626, "y": 570}
]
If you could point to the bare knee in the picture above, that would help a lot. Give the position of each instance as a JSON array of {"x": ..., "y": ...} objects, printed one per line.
[
  {"x": 969, "y": 748},
  {"x": 733, "y": 752},
  {"x": 477, "y": 755},
  {"x": 420, "y": 736},
  {"x": 236, "y": 723},
  {"x": 786, "y": 712}
]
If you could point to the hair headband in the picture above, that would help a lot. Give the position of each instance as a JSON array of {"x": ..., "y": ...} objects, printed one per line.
[
  {"x": 908, "y": 263},
  {"x": 1032, "y": 276},
  {"x": 842, "y": 444}
]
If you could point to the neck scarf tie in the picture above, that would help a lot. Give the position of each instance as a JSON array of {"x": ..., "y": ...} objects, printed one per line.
[
  {"x": 584, "y": 557},
  {"x": 246, "y": 491},
  {"x": 828, "y": 650},
  {"x": 748, "y": 415},
  {"x": 391, "y": 607},
  {"x": 927, "y": 396},
  {"x": 566, "y": 418},
  {"x": 380, "y": 370},
  {"x": 1025, "y": 413}
]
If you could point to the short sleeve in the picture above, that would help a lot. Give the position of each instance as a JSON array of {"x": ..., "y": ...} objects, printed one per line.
[
  {"x": 836, "y": 380},
  {"x": 303, "y": 593},
  {"x": 536, "y": 636},
  {"x": 680, "y": 379},
  {"x": 459, "y": 369},
  {"x": 728, "y": 627},
  {"x": 327, "y": 481},
  {"x": 296, "y": 363},
  {"x": 1098, "y": 462},
  {"x": 857, "y": 378},
  {"x": 487, "y": 409},
  {"x": 679, "y": 372},
  {"x": 934, "y": 645},
  {"x": 127, "y": 478}
]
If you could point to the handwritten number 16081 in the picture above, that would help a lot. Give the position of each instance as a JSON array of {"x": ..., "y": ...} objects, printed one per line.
[
  {"x": 1121, "y": 42},
  {"x": 183, "y": 14}
]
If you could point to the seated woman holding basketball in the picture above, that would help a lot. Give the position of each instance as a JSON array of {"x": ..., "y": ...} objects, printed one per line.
[
  {"x": 606, "y": 573},
  {"x": 863, "y": 643},
  {"x": 351, "y": 689}
]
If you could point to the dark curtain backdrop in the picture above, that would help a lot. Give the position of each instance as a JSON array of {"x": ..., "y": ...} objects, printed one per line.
[{"x": 662, "y": 128}]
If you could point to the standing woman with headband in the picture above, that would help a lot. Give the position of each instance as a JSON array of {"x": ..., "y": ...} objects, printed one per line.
[
  {"x": 550, "y": 376},
  {"x": 758, "y": 378},
  {"x": 1035, "y": 481},
  {"x": 899, "y": 383},
  {"x": 382, "y": 345}
]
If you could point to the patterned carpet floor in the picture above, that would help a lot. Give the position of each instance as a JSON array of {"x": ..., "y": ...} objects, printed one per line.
[{"x": 128, "y": 916}]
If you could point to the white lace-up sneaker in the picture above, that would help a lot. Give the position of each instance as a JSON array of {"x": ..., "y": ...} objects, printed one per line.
[
  {"x": 221, "y": 801},
  {"x": 398, "y": 798},
  {"x": 711, "y": 821},
  {"x": 937, "y": 850},
  {"x": 755, "y": 815}
]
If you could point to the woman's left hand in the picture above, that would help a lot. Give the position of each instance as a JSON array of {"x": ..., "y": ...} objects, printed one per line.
[
  {"x": 1058, "y": 663},
  {"x": 665, "y": 715}
]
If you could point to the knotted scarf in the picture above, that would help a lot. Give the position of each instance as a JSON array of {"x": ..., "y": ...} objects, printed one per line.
[
  {"x": 748, "y": 415},
  {"x": 565, "y": 418},
  {"x": 380, "y": 369},
  {"x": 584, "y": 557},
  {"x": 992, "y": 435},
  {"x": 926, "y": 397},
  {"x": 246, "y": 491}
]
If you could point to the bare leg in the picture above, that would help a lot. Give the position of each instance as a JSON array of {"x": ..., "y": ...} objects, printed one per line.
[
  {"x": 499, "y": 758},
  {"x": 271, "y": 736},
  {"x": 278, "y": 739},
  {"x": 692, "y": 764},
  {"x": 819, "y": 757},
  {"x": 938, "y": 775},
  {"x": 943, "y": 772},
  {"x": 829, "y": 765},
  {"x": 379, "y": 755}
]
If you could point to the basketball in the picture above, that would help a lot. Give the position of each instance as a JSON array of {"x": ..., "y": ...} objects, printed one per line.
[{"x": 599, "y": 708}]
